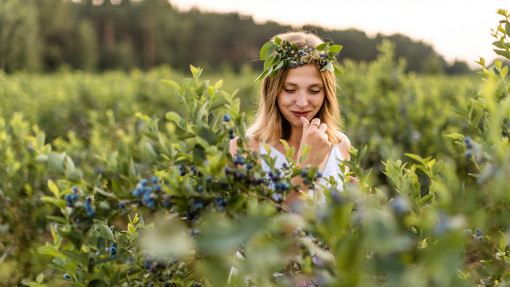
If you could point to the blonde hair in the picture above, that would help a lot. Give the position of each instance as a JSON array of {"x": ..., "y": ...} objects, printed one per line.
[{"x": 269, "y": 125}]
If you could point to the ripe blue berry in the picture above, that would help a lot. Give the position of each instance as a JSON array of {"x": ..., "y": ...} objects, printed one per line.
[
  {"x": 144, "y": 182},
  {"x": 98, "y": 253},
  {"x": 226, "y": 118},
  {"x": 67, "y": 277},
  {"x": 157, "y": 188},
  {"x": 91, "y": 212},
  {"x": 122, "y": 205},
  {"x": 155, "y": 179}
]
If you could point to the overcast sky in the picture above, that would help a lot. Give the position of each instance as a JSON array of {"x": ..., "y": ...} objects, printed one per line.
[{"x": 456, "y": 29}]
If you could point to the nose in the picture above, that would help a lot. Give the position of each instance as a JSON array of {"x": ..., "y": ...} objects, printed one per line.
[{"x": 302, "y": 99}]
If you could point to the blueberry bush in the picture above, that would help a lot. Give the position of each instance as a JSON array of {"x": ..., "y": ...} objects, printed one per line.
[{"x": 148, "y": 200}]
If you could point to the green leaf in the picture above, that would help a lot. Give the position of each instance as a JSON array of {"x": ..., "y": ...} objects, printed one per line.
[
  {"x": 503, "y": 72},
  {"x": 173, "y": 116},
  {"x": 171, "y": 84},
  {"x": 40, "y": 278},
  {"x": 505, "y": 54},
  {"x": 456, "y": 136},
  {"x": 337, "y": 70},
  {"x": 277, "y": 41},
  {"x": 57, "y": 202},
  {"x": 106, "y": 232},
  {"x": 53, "y": 188},
  {"x": 322, "y": 47},
  {"x": 499, "y": 44},
  {"x": 264, "y": 50},
  {"x": 56, "y": 219},
  {"x": 415, "y": 157},
  {"x": 330, "y": 67},
  {"x": 56, "y": 162},
  {"x": 335, "y": 48},
  {"x": 502, "y": 12},
  {"x": 196, "y": 72},
  {"x": 75, "y": 175}
]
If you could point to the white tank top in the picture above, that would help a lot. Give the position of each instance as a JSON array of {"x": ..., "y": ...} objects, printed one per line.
[{"x": 331, "y": 169}]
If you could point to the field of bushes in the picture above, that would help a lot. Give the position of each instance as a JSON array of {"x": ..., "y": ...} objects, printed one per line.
[{"x": 123, "y": 178}]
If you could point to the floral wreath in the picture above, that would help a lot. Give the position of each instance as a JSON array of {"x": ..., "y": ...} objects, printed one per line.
[{"x": 289, "y": 56}]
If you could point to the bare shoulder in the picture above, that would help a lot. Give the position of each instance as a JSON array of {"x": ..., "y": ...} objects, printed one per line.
[
  {"x": 253, "y": 145},
  {"x": 344, "y": 146}
]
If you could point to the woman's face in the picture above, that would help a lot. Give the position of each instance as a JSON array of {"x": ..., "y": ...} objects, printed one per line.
[{"x": 302, "y": 94}]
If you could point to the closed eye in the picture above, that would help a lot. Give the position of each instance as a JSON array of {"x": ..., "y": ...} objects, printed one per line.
[
  {"x": 289, "y": 91},
  {"x": 315, "y": 91}
]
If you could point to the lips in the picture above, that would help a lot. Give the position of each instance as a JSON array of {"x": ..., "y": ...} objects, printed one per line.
[{"x": 300, "y": 114}]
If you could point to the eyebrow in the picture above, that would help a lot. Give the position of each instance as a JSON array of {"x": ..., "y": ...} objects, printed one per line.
[{"x": 295, "y": 85}]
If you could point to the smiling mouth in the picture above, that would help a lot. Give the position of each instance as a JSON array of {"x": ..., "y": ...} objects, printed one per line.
[{"x": 301, "y": 114}]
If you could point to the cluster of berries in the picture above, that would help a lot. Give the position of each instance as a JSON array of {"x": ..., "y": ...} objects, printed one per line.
[
  {"x": 160, "y": 270},
  {"x": 148, "y": 193},
  {"x": 231, "y": 132},
  {"x": 72, "y": 197},
  {"x": 221, "y": 203},
  {"x": 113, "y": 250},
  {"x": 469, "y": 146},
  {"x": 88, "y": 207},
  {"x": 310, "y": 176},
  {"x": 241, "y": 170},
  {"x": 478, "y": 234}
]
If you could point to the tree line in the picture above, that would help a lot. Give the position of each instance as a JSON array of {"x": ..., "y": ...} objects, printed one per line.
[{"x": 91, "y": 35}]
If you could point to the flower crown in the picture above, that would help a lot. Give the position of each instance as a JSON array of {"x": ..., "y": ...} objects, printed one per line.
[{"x": 289, "y": 56}]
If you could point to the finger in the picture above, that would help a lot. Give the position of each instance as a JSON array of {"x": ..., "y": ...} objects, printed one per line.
[
  {"x": 316, "y": 122},
  {"x": 306, "y": 123},
  {"x": 353, "y": 180},
  {"x": 323, "y": 127}
]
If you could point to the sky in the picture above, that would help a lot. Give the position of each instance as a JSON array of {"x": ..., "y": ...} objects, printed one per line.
[{"x": 456, "y": 29}]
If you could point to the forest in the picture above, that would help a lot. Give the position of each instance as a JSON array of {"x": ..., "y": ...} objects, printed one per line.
[{"x": 44, "y": 36}]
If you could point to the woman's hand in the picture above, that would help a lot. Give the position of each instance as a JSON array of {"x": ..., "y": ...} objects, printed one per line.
[{"x": 314, "y": 136}]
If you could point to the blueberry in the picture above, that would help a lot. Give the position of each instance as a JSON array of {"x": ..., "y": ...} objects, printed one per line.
[
  {"x": 182, "y": 173},
  {"x": 249, "y": 166},
  {"x": 157, "y": 188},
  {"x": 88, "y": 200},
  {"x": 239, "y": 160},
  {"x": 469, "y": 144},
  {"x": 151, "y": 204},
  {"x": 91, "y": 212},
  {"x": 98, "y": 253},
  {"x": 208, "y": 178},
  {"x": 468, "y": 153},
  {"x": 147, "y": 265},
  {"x": 66, "y": 276},
  {"x": 304, "y": 172},
  {"x": 318, "y": 174},
  {"x": 226, "y": 118},
  {"x": 155, "y": 179},
  {"x": 122, "y": 205},
  {"x": 74, "y": 189},
  {"x": 137, "y": 192},
  {"x": 144, "y": 182},
  {"x": 75, "y": 197}
]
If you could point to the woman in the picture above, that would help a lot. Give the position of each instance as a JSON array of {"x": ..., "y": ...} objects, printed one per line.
[{"x": 298, "y": 104}]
